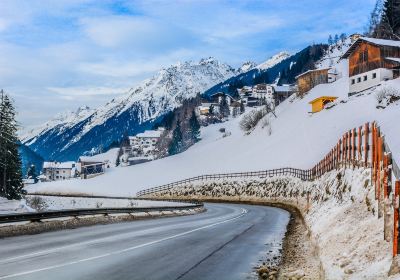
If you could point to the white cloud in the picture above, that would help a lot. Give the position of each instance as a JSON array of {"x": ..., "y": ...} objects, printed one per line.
[
  {"x": 113, "y": 31},
  {"x": 76, "y": 92}
]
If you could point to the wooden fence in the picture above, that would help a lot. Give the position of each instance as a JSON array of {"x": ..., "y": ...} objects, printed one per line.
[{"x": 363, "y": 146}]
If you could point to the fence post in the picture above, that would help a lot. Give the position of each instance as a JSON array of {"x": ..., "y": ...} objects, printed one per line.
[
  {"x": 359, "y": 156},
  {"x": 351, "y": 147},
  {"x": 366, "y": 144},
  {"x": 373, "y": 159},
  {"x": 386, "y": 201},
  {"x": 379, "y": 178},
  {"x": 396, "y": 219}
]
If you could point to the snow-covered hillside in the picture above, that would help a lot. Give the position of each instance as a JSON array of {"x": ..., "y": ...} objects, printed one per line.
[
  {"x": 72, "y": 134},
  {"x": 298, "y": 139},
  {"x": 274, "y": 60}
]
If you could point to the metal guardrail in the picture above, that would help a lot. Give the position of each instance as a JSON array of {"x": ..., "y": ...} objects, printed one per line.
[
  {"x": 38, "y": 216},
  {"x": 193, "y": 201}
]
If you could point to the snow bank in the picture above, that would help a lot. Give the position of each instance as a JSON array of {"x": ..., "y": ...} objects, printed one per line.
[
  {"x": 339, "y": 209},
  {"x": 13, "y": 206},
  {"x": 58, "y": 203}
]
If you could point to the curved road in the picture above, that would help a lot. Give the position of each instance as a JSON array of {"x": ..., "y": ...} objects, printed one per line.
[{"x": 225, "y": 242}]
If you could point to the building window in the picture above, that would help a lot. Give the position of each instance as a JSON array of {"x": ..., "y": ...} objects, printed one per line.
[
  {"x": 359, "y": 80},
  {"x": 365, "y": 78},
  {"x": 373, "y": 75},
  {"x": 353, "y": 81}
]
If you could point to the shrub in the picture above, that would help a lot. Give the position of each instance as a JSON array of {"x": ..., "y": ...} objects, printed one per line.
[
  {"x": 250, "y": 120},
  {"x": 36, "y": 202},
  {"x": 388, "y": 93}
]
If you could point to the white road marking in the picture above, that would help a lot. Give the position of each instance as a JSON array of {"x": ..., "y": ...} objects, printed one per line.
[
  {"x": 244, "y": 211},
  {"x": 93, "y": 241}
]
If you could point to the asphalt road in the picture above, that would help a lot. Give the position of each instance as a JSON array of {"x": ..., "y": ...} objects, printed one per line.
[{"x": 225, "y": 242}]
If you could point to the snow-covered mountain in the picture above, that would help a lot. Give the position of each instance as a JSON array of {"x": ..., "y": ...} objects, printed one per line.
[
  {"x": 246, "y": 66},
  {"x": 272, "y": 61},
  {"x": 72, "y": 134}
]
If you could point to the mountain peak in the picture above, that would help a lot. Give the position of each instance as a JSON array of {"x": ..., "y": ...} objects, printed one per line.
[
  {"x": 246, "y": 66},
  {"x": 73, "y": 133},
  {"x": 275, "y": 59}
]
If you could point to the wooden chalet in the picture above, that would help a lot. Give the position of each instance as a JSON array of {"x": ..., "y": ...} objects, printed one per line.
[
  {"x": 372, "y": 61},
  {"x": 310, "y": 79}
]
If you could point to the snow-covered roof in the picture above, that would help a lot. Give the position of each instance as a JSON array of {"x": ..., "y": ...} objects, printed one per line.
[
  {"x": 59, "y": 165},
  {"x": 282, "y": 88},
  {"x": 395, "y": 59},
  {"x": 150, "y": 134},
  {"x": 374, "y": 41},
  {"x": 312, "y": 70}
]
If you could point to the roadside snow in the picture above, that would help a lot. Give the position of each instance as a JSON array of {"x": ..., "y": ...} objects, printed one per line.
[
  {"x": 58, "y": 203},
  {"x": 341, "y": 214},
  {"x": 14, "y": 206}
]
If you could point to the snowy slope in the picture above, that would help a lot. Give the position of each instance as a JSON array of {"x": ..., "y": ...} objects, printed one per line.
[
  {"x": 274, "y": 60},
  {"x": 72, "y": 134},
  {"x": 298, "y": 139}
]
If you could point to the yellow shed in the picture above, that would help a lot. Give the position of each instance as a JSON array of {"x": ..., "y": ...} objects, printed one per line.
[{"x": 319, "y": 103}]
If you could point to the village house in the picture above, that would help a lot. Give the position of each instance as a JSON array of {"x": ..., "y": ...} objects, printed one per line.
[
  {"x": 234, "y": 108},
  {"x": 282, "y": 92},
  {"x": 142, "y": 147},
  {"x": 146, "y": 141},
  {"x": 311, "y": 78},
  {"x": 90, "y": 167},
  {"x": 245, "y": 91},
  {"x": 206, "y": 108},
  {"x": 217, "y": 98},
  {"x": 56, "y": 171},
  {"x": 263, "y": 91},
  {"x": 372, "y": 61}
]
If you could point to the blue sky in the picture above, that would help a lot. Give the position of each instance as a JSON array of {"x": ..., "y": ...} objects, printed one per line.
[{"x": 57, "y": 55}]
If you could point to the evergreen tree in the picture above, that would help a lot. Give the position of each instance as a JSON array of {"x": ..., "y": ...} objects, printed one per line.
[
  {"x": 32, "y": 172},
  {"x": 194, "y": 128},
  {"x": 176, "y": 145},
  {"x": 224, "y": 107},
  {"x": 389, "y": 27},
  {"x": 211, "y": 110},
  {"x": 374, "y": 19},
  {"x": 10, "y": 162},
  {"x": 336, "y": 38},
  {"x": 242, "y": 108},
  {"x": 330, "y": 40}
]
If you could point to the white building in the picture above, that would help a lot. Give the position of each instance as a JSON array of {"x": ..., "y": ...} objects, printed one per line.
[
  {"x": 263, "y": 91},
  {"x": 369, "y": 79},
  {"x": 55, "y": 171},
  {"x": 142, "y": 147}
]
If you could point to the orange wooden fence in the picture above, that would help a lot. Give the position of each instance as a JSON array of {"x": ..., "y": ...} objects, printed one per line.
[{"x": 363, "y": 146}]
